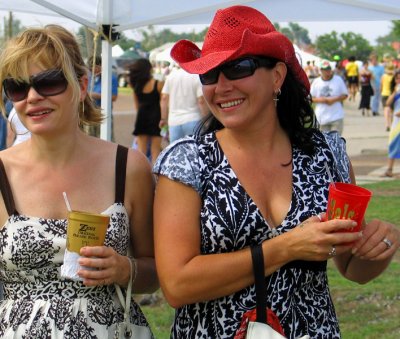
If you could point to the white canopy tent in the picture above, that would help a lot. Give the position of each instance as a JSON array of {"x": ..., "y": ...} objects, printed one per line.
[
  {"x": 303, "y": 56},
  {"x": 164, "y": 53},
  {"x": 116, "y": 51},
  {"x": 130, "y": 14}
]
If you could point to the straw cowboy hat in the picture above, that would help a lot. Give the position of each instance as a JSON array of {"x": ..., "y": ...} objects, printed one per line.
[{"x": 234, "y": 32}]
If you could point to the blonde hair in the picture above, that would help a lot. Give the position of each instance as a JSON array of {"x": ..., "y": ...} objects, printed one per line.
[{"x": 50, "y": 47}]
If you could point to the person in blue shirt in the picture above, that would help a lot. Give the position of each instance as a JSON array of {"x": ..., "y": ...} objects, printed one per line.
[
  {"x": 377, "y": 71},
  {"x": 95, "y": 92},
  {"x": 3, "y": 123},
  {"x": 3, "y": 132}
]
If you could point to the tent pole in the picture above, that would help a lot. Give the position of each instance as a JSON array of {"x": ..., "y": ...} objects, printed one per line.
[{"x": 106, "y": 74}]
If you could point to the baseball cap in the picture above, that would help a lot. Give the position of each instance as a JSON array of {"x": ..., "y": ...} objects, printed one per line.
[{"x": 325, "y": 65}]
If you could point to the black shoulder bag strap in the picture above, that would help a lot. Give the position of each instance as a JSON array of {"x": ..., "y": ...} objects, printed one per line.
[{"x": 259, "y": 280}]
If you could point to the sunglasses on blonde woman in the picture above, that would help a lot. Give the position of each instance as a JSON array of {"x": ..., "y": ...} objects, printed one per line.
[
  {"x": 47, "y": 83},
  {"x": 236, "y": 69}
]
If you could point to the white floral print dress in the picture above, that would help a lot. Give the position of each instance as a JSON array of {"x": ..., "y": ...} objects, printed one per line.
[{"x": 38, "y": 303}]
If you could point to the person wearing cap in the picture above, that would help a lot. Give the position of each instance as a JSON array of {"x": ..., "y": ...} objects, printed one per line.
[
  {"x": 328, "y": 93},
  {"x": 255, "y": 175}
]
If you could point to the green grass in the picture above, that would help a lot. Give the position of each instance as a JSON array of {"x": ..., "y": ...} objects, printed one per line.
[
  {"x": 160, "y": 317},
  {"x": 372, "y": 310},
  {"x": 124, "y": 90},
  {"x": 367, "y": 311}
]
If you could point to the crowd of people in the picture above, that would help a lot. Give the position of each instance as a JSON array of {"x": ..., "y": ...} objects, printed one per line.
[
  {"x": 251, "y": 141},
  {"x": 378, "y": 87}
]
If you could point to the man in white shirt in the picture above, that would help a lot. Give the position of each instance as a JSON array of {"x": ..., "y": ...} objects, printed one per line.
[
  {"x": 328, "y": 93},
  {"x": 182, "y": 104}
]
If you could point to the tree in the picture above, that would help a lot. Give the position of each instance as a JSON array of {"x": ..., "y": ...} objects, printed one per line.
[
  {"x": 345, "y": 45},
  {"x": 88, "y": 41},
  {"x": 288, "y": 33},
  {"x": 300, "y": 34},
  {"x": 295, "y": 33},
  {"x": 355, "y": 44},
  {"x": 125, "y": 43},
  {"x": 329, "y": 45},
  {"x": 11, "y": 27},
  {"x": 385, "y": 43},
  {"x": 152, "y": 39},
  {"x": 396, "y": 29}
]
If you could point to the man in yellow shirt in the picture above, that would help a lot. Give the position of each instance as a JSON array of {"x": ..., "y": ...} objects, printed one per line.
[
  {"x": 352, "y": 77},
  {"x": 386, "y": 90}
]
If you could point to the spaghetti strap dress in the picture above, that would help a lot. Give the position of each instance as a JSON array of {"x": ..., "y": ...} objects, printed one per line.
[
  {"x": 38, "y": 302},
  {"x": 149, "y": 113}
]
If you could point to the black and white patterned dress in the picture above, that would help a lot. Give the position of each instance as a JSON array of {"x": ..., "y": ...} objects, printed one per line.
[
  {"x": 38, "y": 303},
  {"x": 230, "y": 221}
]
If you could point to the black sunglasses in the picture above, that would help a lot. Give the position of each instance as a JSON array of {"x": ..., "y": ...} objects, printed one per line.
[
  {"x": 236, "y": 69},
  {"x": 47, "y": 83}
]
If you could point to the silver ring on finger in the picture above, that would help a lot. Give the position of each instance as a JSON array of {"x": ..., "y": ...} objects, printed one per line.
[
  {"x": 332, "y": 252},
  {"x": 387, "y": 242}
]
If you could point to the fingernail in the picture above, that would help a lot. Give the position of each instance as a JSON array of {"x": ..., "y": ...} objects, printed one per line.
[{"x": 354, "y": 223}]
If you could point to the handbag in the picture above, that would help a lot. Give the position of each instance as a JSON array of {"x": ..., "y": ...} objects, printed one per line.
[
  {"x": 259, "y": 328},
  {"x": 261, "y": 323},
  {"x": 125, "y": 329}
]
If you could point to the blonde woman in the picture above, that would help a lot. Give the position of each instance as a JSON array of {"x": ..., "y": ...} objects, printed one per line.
[{"x": 43, "y": 74}]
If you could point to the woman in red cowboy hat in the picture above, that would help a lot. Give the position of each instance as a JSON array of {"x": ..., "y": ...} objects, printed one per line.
[{"x": 255, "y": 174}]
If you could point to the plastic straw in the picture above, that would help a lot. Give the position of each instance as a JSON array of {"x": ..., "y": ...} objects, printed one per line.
[
  {"x": 329, "y": 173},
  {"x": 67, "y": 202}
]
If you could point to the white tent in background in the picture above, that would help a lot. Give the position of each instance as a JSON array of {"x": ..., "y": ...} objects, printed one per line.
[
  {"x": 128, "y": 14},
  {"x": 163, "y": 53},
  {"x": 303, "y": 57},
  {"x": 156, "y": 51},
  {"x": 165, "y": 56},
  {"x": 116, "y": 51}
]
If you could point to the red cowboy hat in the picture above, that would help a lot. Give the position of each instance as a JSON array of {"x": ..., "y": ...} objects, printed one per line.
[{"x": 234, "y": 32}]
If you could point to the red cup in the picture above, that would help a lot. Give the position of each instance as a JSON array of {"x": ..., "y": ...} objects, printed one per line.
[{"x": 347, "y": 201}]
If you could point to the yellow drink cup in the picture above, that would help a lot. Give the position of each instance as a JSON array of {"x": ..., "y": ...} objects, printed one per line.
[{"x": 86, "y": 229}]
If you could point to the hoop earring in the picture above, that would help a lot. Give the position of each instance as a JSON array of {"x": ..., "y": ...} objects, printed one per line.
[{"x": 277, "y": 94}]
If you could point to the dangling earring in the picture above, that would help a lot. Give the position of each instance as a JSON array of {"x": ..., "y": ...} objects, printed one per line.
[
  {"x": 277, "y": 94},
  {"x": 83, "y": 107}
]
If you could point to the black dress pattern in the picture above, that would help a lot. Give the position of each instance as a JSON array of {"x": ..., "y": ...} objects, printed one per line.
[
  {"x": 230, "y": 221},
  {"x": 38, "y": 303}
]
